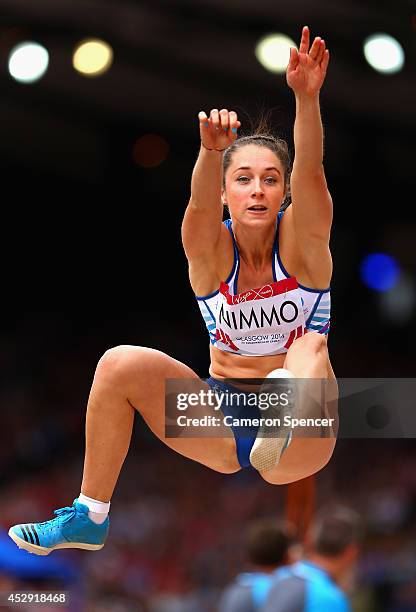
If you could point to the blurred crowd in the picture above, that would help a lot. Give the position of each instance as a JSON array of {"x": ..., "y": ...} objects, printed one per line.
[{"x": 176, "y": 529}]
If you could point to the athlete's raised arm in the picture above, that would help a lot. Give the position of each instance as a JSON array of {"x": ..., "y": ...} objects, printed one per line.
[
  {"x": 201, "y": 227},
  {"x": 312, "y": 203}
]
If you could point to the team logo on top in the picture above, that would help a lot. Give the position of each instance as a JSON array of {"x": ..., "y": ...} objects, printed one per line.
[{"x": 260, "y": 293}]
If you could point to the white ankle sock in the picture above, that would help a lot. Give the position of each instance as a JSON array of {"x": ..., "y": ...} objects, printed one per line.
[{"x": 98, "y": 511}]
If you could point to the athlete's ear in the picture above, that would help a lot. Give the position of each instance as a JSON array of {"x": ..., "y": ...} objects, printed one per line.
[{"x": 223, "y": 198}]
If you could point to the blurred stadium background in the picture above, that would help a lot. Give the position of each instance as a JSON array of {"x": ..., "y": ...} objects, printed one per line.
[{"x": 95, "y": 178}]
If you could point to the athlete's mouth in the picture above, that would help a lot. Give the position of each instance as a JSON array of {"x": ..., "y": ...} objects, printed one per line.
[{"x": 257, "y": 207}]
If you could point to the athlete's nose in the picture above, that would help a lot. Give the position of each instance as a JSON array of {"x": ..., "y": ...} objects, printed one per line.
[{"x": 257, "y": 189}]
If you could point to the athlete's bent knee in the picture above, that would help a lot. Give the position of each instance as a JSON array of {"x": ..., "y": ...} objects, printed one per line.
[
  {"x": 311, "y": 343},
  {"x": 120, "y": 362},
  {"x": 314, "y": 342}
]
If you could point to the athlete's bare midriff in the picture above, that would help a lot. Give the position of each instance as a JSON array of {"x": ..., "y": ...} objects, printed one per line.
[{"x": 227, "y": 365}]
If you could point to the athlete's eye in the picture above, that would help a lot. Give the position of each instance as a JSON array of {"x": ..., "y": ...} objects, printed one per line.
[
  {"x": 270, "y": 180},
  {"x": 243, "y": 179}
]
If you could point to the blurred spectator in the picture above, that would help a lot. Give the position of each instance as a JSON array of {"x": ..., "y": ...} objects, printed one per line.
[
  {"x": 21, "y": 571},
  {"x": 270, "y": 545},
  {"x": 315, "y": 582}
]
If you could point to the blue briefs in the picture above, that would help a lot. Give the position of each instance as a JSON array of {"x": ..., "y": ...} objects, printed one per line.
[{"x": 237, "y": 407}]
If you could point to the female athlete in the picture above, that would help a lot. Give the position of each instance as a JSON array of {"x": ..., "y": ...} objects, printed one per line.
[{"x": 261, "y": 280}]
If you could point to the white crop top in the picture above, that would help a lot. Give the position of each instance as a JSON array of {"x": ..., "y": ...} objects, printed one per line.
[{"x": 265, "y": 320}]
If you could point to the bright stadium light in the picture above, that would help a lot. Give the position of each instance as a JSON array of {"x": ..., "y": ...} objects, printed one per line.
[
  {"x": 384, "y": 53},
  {"x": 380, "y": 272},
  {"x": 399, "y": 303},
  {"x": 28, "y": 62},
  {"x": 92, "y": 57},
  {"x": 273, "y": 52}
]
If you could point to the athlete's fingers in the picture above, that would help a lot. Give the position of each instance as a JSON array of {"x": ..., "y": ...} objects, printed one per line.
[
  {"x": 203, "y": 126},
  {"x": 234, "y": 124},
  {"x": 314, "y": 52},
  {"x": 224, "y": 120},
  {"x": 325, "y": 61},
  {"x": 321, "y": 51},
  {"x": 215, "y": 118},
  {"x": 303, "y": 59},
  {"x": 304, "y": 41},
  {"x": 203, "y": 119},
  {"x": 293, "y": 58}
]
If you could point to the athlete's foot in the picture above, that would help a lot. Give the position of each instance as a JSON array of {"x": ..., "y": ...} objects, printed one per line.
[
  {"x": 272, "y": 441},
  {"x": 71, "y": 528}
]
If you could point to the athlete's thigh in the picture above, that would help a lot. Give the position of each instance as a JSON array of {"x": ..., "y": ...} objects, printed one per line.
[
  {"x": 317, "y": 397},
  {"x": 308, "y": 356},
  {"x": 308, "y": 359},
  {"x": 150, "y": 374}
]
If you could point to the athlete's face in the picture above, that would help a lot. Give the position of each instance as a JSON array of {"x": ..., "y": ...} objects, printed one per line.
[{"x": 254, "y": 185}]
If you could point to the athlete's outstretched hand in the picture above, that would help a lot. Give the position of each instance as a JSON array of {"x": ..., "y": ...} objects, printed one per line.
[
  {"x": 307, "y": 67},
  {"x": 219, "y": 130}
]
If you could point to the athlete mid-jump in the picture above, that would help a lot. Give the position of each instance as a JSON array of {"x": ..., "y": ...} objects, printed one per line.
[{"x": 269, "y": 257}]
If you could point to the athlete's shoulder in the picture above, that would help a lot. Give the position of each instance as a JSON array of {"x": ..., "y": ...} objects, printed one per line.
[{"x": 284, "y": 216}]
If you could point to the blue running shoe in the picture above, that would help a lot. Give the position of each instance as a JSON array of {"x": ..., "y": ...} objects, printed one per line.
[{"x": 72, "y": 528}]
